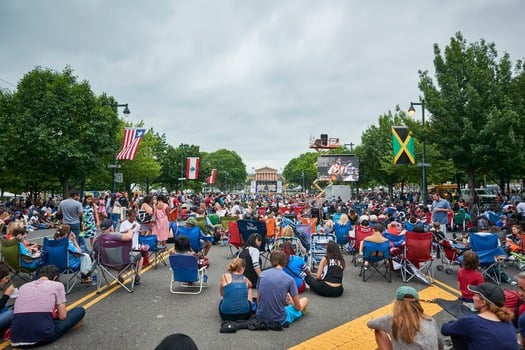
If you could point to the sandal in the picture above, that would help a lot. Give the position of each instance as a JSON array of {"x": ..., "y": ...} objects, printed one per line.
[{"x": 86, "y": 279}]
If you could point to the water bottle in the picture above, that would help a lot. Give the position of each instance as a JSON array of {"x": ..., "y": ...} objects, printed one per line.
[
  {"x": 94, "y": 278},
  {"x": 206, "y": 278}
]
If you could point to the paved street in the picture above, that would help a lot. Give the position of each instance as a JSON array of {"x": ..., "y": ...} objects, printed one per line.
[{"x": 120, "y": 320}]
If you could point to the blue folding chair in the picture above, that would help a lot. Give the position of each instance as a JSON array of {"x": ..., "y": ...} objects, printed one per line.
[
  {"x": 56, "y": 252},
  {"x": 378, "y": 257},
  {"x": 186, "y": 274},
  {"x": 491, "y": 255},
  {"x": 154, "y": 250},
  {"x": 194, "y": 235},
  {"x": 342, "y": 232}
]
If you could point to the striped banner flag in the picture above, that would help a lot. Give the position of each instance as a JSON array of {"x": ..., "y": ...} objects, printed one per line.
[
  {"x": 192, "y": 168},
  {"x": 210, "y": 180},
  {"x": 130, "y": 143}
]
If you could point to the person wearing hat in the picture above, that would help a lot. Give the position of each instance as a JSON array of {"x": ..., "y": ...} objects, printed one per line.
[
  {"x": 408, "y": 327},
  {"x": 490, "y": 328},
  {"x": 106, "y": 228}
]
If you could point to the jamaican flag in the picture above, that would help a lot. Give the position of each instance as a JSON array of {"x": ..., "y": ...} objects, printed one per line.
[{"x": 403, "y": 145}]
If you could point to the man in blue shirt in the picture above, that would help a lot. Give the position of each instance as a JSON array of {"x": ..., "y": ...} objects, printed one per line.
[{"x": 440, "y": 209}]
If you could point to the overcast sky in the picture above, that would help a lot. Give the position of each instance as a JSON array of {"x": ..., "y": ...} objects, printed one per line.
[{"x": 256, "y": 77}]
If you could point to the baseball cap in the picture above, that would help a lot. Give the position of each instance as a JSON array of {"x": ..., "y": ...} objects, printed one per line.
[
  {"x": 404, "y": 291},
  {"x": 105, "y": 224},
  {"x": 491, "y": 292}
]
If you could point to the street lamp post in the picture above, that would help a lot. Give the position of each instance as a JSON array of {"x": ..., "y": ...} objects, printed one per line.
[
  {"x": 114, "y": 166},
  {"x": 182, "y": 147},
  {"x": 423, "y": 164},
  {"x": 351, "y": 146}
]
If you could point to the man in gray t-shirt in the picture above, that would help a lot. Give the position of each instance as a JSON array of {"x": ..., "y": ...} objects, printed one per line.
[{"x": 71, "y": 210}]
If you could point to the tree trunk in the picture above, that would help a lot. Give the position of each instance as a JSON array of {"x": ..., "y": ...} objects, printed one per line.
[
  {"x": 471, "y": 186},
  {"x": 65, "y": 188}
]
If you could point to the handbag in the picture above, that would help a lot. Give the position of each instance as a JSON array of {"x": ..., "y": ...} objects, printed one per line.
[{"x": 143, "y": 217}]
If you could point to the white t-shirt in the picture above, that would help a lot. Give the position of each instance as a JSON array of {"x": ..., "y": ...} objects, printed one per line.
[{"x": 125, "y": 226}]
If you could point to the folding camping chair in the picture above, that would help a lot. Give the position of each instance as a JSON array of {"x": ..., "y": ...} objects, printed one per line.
[
  {"x": 115, "y": 263},
  {"x": 194, "y": 235},
  {"x": 55, "y": 252},
  {"x": 156, "y": 252},
  {"x": 342, "y": 233},
  {"x": 12, "y": 256},
  {"x": 378, "y": 257},
  {"x": 318, "y": 244},
  {"x": 491, "y": 255},
  {"x": 416, "y": 260},
  {"x": 360, "y": 233},
  {"x": 249, "y": 227},
  {"x": 234, "y": 240},
  {"x": 187, "y": 274}
]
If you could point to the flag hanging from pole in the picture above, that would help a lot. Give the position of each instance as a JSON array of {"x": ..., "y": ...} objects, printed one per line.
[
  {"x": 403, "y": 145},
  {"x": 192, "y": 168},
  {"x": 210, "y": 180},
  {"x": 130, "y": 143}
]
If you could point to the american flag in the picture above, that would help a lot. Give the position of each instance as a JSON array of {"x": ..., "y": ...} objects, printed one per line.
[{"x": 130, "y": 143}]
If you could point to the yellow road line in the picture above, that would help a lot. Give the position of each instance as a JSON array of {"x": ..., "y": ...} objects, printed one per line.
[
  {"x": 356, "y": 335},
  {"x": 108, "y": 290}
]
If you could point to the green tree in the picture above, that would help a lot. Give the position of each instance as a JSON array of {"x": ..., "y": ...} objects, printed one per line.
[
  {"x": 473, "y": 112},
  {"x": 56, "y": 128},
  {"x": 231, "y": 170},
  {"x": 301, "y": 167}
]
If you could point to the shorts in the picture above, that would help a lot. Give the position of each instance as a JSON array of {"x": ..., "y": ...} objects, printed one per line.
[
  {"x": 292, "y": 314},
  {"x": 135, "y": 255}
]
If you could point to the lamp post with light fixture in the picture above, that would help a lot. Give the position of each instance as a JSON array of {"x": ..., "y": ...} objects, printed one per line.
[
  {"x": 423, "y": 164},
  {"x": 114, "y": 166}
]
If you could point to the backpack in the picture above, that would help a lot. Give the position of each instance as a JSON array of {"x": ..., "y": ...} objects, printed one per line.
[
  {"x": 513, "y": 302},
  {"x": 143, "y": 217}
]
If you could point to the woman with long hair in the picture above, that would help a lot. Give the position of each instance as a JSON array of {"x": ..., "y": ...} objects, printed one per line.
[
  {"x": 161, "y": 226},
  {"x": 490, "y": 328},
  {"x": 250, "y": 254},
  {"x": 407, "y": 327},
  {"x": 90, "y": 219},
  {"x": 328, "y": 281}
]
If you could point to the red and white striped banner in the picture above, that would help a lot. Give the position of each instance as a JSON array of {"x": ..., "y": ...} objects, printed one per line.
[
  {"x": 192, "y": 168},
  {"x": 210, "y": 180},
  {"x": 130, "y": 143}
]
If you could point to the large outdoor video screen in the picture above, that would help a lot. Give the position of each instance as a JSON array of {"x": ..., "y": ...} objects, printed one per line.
[{"x": 338, "y": 167}]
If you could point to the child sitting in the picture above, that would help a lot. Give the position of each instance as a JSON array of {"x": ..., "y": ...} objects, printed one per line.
[{"x": 469, "y": 275}]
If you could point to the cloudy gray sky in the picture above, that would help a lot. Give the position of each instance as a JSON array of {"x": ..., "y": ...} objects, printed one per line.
[{"x": 258, "y": 77}]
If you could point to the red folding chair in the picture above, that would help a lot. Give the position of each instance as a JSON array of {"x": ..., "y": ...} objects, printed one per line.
[
  {"x": 417, "y": 257},
  {"x": 235, "y": 241}
]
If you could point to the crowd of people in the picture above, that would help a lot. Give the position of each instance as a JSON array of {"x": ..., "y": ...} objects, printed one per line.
[{"x": 246, "y": 289}]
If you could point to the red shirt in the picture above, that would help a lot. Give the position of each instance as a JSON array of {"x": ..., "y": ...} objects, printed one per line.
[{"x": 466, "y": 278}]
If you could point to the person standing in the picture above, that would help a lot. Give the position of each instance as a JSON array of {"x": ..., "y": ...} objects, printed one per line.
[
  {"x": 33, "y": 321},
  {"x": 90, "y": 218},
  {"x": 161, "y": 227},
  {"x": 440, "y": 209},
  {"x": 71, "y": 210}
]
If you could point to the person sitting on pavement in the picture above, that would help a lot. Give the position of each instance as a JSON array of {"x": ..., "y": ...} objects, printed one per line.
[
  {"x": 6, "y": 314},
  {"x": 77, "y": 259},
  {"x": 106, "y": 226},
  {"x": 34, "y": 322},
  {"x": 296, "y": 267},
  {"x": 328, "y": 281},
  {"x": 278, "y": 299},
  {"x": 469, "y": 275},
  {"x": 490, "y": 328},
  {"x": 236, "y": 293},
  {"x": 408, "y": 327},
  {"x": 250, "y": 254},
  {"x": 204, "y": 240}
]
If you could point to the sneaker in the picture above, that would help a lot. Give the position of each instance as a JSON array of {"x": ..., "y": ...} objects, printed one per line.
[{"x": 137, "y": 279}]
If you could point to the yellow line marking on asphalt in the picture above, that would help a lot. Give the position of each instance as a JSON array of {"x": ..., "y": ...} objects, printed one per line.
[
  {"x": 108, "y": 290},
  {"x": 356, "y": 335}
]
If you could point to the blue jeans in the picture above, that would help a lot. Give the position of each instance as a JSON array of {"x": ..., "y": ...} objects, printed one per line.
[
  {"x": 5, "y": 319},
  {"x": 74, "y": 316},
  {"x": 75, "y": 228},
  {"x": 116, "y": 219}
]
